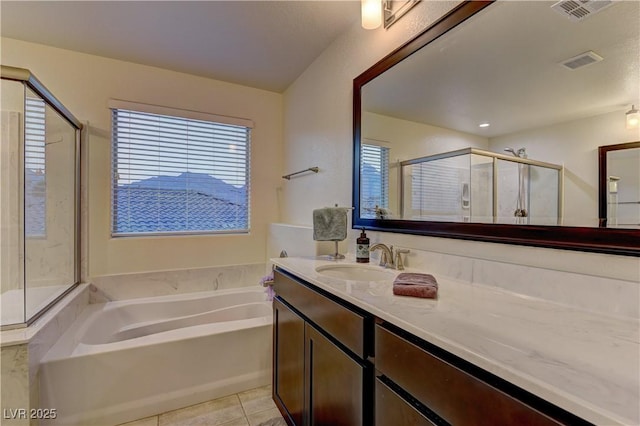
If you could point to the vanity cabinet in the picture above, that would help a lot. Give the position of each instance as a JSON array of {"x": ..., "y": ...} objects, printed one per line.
[
  {"x": 393, "y": 409},
  {"x": 325, "y": 371},
  {"x": 288, "y": 360},
  {"x": 335, "y": 382},
  {"x": 413, "y": 376},
  {"x": 321, "y": 375}
]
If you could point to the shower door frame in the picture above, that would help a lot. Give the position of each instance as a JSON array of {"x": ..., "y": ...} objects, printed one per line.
[
  {"x": 27, "y": 78},
  {"x": 495, "y": 157}
]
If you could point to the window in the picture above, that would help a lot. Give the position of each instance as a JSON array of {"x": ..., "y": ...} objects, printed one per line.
[
  {"x": 374, "y": 179},
  {"x": 178, "y": 172},
  {"x": 35, "y": 194}
]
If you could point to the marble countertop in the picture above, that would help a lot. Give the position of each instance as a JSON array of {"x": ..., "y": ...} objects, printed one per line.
[{"x": 584, "y": 362}]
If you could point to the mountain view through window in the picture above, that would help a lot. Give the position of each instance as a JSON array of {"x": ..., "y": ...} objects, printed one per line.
[{"x": 178, "y": 175}]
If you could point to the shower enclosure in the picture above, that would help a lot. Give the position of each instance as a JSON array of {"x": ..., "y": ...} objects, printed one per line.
[
  {"x": 472, "y": 185},
  {"x": 39, "y": 198}
]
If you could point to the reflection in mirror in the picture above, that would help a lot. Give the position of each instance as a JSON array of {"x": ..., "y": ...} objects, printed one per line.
[
  {"x": 620, "y": 185},
  {"x": 486, "y": 126},
  {"x": 533, "y": 93},
  {"x": 504, "y": 189}
]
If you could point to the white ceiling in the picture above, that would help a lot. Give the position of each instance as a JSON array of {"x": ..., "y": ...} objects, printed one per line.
[{"x": 262, "y": 44}]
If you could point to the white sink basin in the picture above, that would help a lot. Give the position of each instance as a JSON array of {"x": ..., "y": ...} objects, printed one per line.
[{"x": 356, "y": 272}]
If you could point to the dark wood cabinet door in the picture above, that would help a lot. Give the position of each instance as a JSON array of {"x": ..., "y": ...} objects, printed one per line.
[
  {"x": 392, "y": 409},
  {"x": 342, "y": 323},
  {"x": 335, "y": 383},
  {"x": 288, "y": 363}
]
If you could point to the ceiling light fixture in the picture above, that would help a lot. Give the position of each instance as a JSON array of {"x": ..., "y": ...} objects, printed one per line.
[
  {"x": 483, "y": 125},
  {"x": 633, "y": 117},
  {"x": 371, "y": 14}
]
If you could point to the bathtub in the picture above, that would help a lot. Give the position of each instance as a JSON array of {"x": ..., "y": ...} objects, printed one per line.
[{"x": 125, "y": 360}]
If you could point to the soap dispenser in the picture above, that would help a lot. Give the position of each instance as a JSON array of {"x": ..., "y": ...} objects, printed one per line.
[{"x": 362, "y": 248}]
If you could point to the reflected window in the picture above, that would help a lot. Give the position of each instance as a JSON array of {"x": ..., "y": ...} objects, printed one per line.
[
  {"x": 35, "y": 194},
  {"x": 436, "y": 189},
  {"x": 374, "y": 180}
]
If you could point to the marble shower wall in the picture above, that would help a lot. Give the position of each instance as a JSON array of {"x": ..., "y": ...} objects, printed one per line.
[
  {"x": 10, "y": 259},
  {"x": 50, "y": 256}
]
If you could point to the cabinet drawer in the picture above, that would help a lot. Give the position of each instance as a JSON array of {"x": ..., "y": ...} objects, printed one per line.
[
  {"x": 391, "y": 409},
  {"x": 454, "y": 395},
  {"x": 345, "y": 325}
]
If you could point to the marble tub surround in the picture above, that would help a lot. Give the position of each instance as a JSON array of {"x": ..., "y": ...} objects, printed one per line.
[
  {"x": 186, "y": 348},
  {"x": 14, "y": 373},
  {"x": 162, "y": 283},
  {"x": 46, "y": 330},
  {"x": 585, "y": 362},
  {"x": 22, "y": 350}
]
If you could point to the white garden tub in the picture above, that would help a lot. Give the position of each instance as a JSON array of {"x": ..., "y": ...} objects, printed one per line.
[{"x": 125, "y": 360}]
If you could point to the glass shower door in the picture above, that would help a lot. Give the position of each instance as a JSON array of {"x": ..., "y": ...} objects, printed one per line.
[
  {"x": 39, "y": 175},
  {"x": 12, "y": 292},
  {"x": 49, "y": 204}
]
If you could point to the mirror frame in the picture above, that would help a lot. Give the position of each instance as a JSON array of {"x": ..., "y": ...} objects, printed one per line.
[
  {"x": 602, "y": 177},
  {"x": 596, "y": 239}
]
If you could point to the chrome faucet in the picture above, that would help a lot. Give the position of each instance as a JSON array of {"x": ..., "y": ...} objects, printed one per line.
[{"x": 388, "y": 258}]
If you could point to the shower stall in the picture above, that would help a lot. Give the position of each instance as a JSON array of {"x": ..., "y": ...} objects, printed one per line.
[
  {"x": 473, "y": 185},
  {"x": 39, "y": 198}
]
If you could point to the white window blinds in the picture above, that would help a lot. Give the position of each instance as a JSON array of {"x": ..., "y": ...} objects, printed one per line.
[
  {"x": 35, "y": 194},
  {"x": 436, "y": 188},
  {"x": 179, "y": 175},
  {"x": 374, "y": 179}
]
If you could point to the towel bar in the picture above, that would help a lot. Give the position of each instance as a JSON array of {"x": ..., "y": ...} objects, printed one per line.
[{"x": 310, "y": 169}]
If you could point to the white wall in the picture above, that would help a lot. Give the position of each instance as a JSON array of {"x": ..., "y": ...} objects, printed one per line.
[
  {"x": 84, "y": 84},
  {"x": 318, "y": 113},
  {"x": 318, "y": 131}
]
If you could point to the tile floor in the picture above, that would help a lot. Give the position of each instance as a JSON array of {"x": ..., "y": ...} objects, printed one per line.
[{"x": 250, "y": 408}]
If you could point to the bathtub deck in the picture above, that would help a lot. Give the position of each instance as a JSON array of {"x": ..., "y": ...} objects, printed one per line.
[{"x": 250, "y": 408}]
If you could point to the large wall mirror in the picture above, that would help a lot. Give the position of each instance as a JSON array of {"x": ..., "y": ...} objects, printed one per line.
[{"x": 486, "y": 126}]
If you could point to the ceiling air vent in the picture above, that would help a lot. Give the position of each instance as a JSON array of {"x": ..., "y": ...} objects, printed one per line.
[
  {"x": 581, "y": 60},
  {"x": 577, "y": 10}
]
